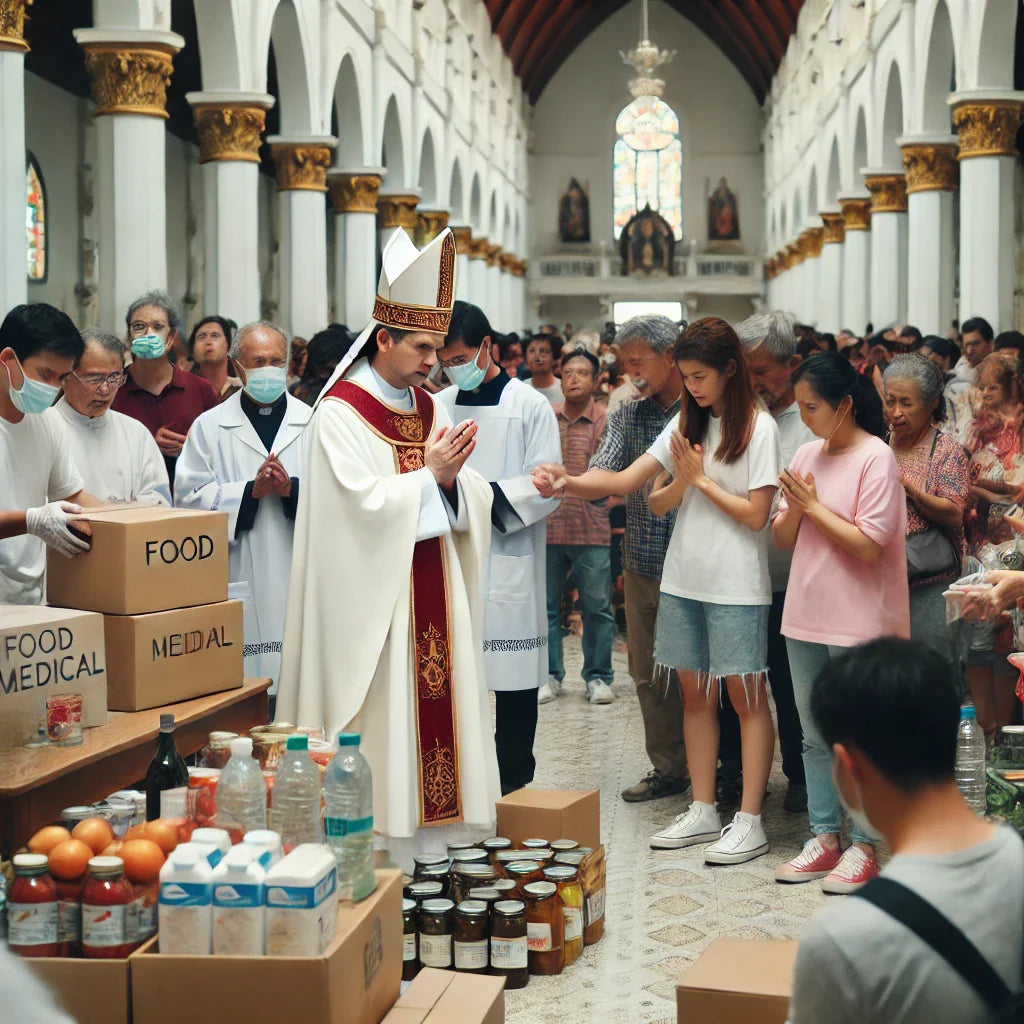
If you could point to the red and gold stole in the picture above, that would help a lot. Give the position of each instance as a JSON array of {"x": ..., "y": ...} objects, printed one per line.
[{"x": 436, "y": 728}]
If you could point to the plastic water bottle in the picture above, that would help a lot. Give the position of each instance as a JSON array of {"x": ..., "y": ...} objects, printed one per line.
[
  {"x": 241, "y": 792},
  {"x": 295, "y": 812},
  {"x": 970, "y": 760},
  {"x": 348, "y": 820}
]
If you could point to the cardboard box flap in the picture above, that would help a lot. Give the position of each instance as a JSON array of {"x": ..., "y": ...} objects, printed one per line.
[
  {"x": 13, "y": 616},
  {"x": 138, "y": 514},
  {"x": 767, "y": 968},
  {"x": 551, "y": 799},
  {"x": 470, "y": 999},
  {"x": 426, "y": 988}
]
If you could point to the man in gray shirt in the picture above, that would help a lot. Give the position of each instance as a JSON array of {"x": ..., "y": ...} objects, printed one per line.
[{"x": 890, "y": 710}]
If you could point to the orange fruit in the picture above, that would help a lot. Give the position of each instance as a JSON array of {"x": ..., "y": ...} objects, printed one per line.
[
  {"x": 47, "y": 838},
  {"x": 68, "y": 860},
  {"x": 114, "y": 849},
  {"x": 143, "y": 860},
  {"x": 162, "y": 832},
  {"x": 95, "y": 832}
]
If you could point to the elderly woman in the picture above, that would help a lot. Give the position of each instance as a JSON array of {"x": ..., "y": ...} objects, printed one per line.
[{"x": 934, "y": 469}]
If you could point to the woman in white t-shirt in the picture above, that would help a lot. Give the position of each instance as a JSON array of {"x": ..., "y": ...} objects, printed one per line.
[{"x": 724, "y": 458}]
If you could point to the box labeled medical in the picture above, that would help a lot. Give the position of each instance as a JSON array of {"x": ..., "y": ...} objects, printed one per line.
[
  {"x": 144, "y": 560},
  {"x": 551, "y": 814}
]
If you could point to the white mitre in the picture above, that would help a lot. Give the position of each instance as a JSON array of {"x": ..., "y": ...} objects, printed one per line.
[{"x": 416, "y": 292}]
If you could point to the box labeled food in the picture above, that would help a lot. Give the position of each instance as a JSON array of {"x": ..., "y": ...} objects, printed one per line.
[
  {"x": 443, "y": 997},
  {"x": 144, "y": 560},
  {"x": 714, "y": 990},
  {"x": 48, "y": 652},
  {"x": 89, "y": 991},
  {"x": 551, "y": 814},
  {"x": 356, "y": 979},
  {"x": 164, "y": 657}
]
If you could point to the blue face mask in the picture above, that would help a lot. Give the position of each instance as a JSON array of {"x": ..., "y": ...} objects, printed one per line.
[
  {"x": 468, "y": 375},
  {"x": 149, "y": 346},
  {"x": 266, "y": 384},
  {"x": 33, "y": 396}
]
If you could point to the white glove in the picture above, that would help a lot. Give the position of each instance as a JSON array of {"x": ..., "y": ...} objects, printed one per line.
[{"x": 50, "y": 524}]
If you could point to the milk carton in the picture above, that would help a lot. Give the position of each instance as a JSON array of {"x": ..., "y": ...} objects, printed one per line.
[
  {"x": 268, "y": 843},
  {"x": 186, "y": 894},
  {"x": 302, "y": 902},
  {"x": 238, "y": 903},
  {"x": 216, "y": 843}
]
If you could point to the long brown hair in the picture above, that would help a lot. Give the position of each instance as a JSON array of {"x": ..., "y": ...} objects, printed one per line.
[{"x": 713, "y": 342}]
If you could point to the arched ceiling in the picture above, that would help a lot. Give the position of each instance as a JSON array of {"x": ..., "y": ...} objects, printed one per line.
[{"x": 538, "y": 35}]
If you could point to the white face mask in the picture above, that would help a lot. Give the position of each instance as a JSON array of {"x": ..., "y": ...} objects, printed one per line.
[{"x": 857, "y": 815}]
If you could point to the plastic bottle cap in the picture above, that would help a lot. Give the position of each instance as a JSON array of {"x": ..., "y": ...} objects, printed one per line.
[
  {"x": 348, "y": 739},
  {"x": 968, "y": 711},
  {"x": 186, "y": 855},
  {"x": 242, "y": 747},
  {"x": 298, "y": 741},
  {"x": 166, "y": 723}
]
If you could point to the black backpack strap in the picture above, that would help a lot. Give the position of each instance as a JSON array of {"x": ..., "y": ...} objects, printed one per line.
[{"x": 937, "y": 931}]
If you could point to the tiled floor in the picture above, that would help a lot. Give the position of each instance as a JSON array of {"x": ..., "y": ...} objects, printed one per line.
[{"x": 664, "y": 907}]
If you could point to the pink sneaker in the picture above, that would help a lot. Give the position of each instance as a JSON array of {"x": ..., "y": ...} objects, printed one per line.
[
  {"x": 855, "y": 869},
  {"x": 815, "y": 860}
]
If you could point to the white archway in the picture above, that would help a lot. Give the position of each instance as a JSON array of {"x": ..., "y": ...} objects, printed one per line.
[
  {"x": 833, "y": 184},
  {"x": 994, "y": 54},
  {"x": 292, "y": 62},
  {"x": 427, "y": 182},
  {"x": 392, "y": 148},
  {"x": 348, "y": 109},
  {"x": 456, "y": 202},
  {"x": 860, "y": 148},
  {"x": 475, "y": 200},
  {"x": 940, "y": 72}
]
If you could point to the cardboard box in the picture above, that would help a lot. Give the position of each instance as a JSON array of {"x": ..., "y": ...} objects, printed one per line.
[
  {"x": 444, "y": 997},
  {"x": 736, "y": 982},
  {"x": 47, "y": 651},
  {"x": 90, "y": 991},
  {"x": 551, "y": 814},
  {"x": 354, "y": 981},
  {"x": 144, "y": 560},
  {"x": 165, "y": 657}
]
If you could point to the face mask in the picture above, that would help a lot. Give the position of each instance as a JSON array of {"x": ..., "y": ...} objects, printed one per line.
[
  {"x": 33, "y": 396},
  {"x": 639, "y": 382},
  {"x": 468, "y": 375},
  {"x": 266, "y": 384},
  {"x": 860, "y": 820},
  {"x": 149, "y": 346},
  {"x": 608, "y": 359}
]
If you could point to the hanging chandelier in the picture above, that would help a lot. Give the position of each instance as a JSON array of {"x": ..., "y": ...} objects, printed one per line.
[{"x": 639, "y": 124}]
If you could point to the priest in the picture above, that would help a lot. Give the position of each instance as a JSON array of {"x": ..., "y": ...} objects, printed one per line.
[{"x": 384, "y": 626}]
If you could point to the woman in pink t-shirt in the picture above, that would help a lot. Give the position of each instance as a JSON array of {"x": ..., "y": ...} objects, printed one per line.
[{"x": 844, "y": 513}]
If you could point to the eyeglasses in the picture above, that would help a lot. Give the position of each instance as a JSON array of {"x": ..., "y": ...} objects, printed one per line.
[{"x": 94, "y": 381}]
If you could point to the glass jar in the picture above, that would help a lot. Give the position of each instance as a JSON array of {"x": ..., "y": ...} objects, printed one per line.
[
  {"x": 522, "y": 872},
  {"x": 503, "y": 858},
  {"x": 32, "y": 910},
  {"x": 564, "y": 845},
  {"x": 506, "y": 886},
  {"x": 534, "y": 844},
  {"x": 570, "y": 892},
  {"x": 420, "y": 891},
  {"x": 545, "y": 928},
  {"x": 471, "y": 947},
  {"x": 69, "y": 916},
  {"x": 471, "y": 876},
  {"x": 508, "y": 943},
  {"x": 470, "y": 856},
  {"x": 410, "y": 949},
  {"x": 71, "y": 816},
  {"x": 458, "y": 847},
  {"x": 423, "y": 861},
  {"x": 105, "y": 898},
  {"x": 217, "y": 751},
  {"x": 438, "y": 873},
  {"x": 436, "y": 930},
  {"x": 64, "y": 719},
  {"x": 494, "y": 846},
  {"x": 573, "y": 858},
  {"x": 268, "y": 748},
  {"x": 489, "y": 895}
]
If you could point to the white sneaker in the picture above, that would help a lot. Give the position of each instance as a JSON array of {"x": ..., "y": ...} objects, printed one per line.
[
  {"x": 699, "y": 824},
  {"x": 742, "y": 839},
  {"x": 549, "y": 691},
  {"x": 600, "y": 692}
]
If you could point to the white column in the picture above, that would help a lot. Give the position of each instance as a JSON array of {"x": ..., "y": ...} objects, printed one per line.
[
  {"x": 13, "y": 269},
  {"x": 129, "y": 70},
  {"x": 301, "y": 165},
  {"x": 477, "y": 292},
  {"x": 888, "y": 275},
  {"x": 987, "y": 124},
  {"x": 463, "y": 243},
  {"x": 831, "y": 272},
  {"x": 230, "y": 126},
  {"x": 396, "y": 208},
  {"x": 854, "y": 310},
  {"x": 354, "y": 198}
]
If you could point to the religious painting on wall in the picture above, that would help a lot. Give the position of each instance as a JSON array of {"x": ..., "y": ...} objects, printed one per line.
[
  {"x": 723, "y": 214},
  {"x": 574, "y": 213},
  {"x": 35, "y": 222},
  {"x": 646, "y": 245}
]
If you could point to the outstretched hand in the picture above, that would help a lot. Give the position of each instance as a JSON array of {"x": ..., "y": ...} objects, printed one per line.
[{"x": 550, "y": 479}]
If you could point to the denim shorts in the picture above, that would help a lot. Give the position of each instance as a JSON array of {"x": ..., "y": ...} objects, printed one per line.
[{"x": 713, "y": 639}]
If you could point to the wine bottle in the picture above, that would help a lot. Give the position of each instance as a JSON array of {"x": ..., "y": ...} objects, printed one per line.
[{"x": 167, "y": 770}]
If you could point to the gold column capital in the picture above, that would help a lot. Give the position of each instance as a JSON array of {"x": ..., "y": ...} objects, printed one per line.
[
  {"x": 229, "y": 131},
  {"x": 856, "y": 214},
  {"x": 478, "y": 248},
  {"x": 987, "y": 127},
  {"x": 463, "y": 239},
  {"x": 354, "y": 193},
  {"x": 301, "y": 166},
  {"x": 507, "y": 261},
  {"x": 796, "y": 251},
  {"x": 429, "y": 224},
  {"x": 834, "y": 227},
  {"x": 815, "y": 240},
  {"x": 398, "y": 210},
  {"x": 12, "y": 25},
  {"x": 888, "y": 192},
  {"x": 129, "y": 79},
  {"x": 930, "y": 167},
  {"x": 493, "y": 252}
]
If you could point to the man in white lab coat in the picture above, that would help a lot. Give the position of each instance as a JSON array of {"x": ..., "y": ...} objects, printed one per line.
[
  {"x": 245, "y": 457},
  {"x": 517, "y": 431}
]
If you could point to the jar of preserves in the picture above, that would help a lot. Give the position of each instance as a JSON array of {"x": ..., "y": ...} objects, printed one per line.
[
  {"x": 522, "y": 872},
  {"x": 471, "y": 856},
  {"x": 217, "y": 751},
  {"x": 471, "y": 946},
  {"x": 106, "y": 931},
  {"x": 471, "y": 876},
  {"x": 438, "y": 873},
  {"x": 458, "y": 847},
  {"x": 436, "y": 929},
  {"x": 420, "y": 891},
  {"x": 506, "y": 886},
  {"x": 494, "y": 846},
  {"x": 410, "y": 947},
  {"x": 490, "y": 896},
  {"x": 268, "y": 748},
  {"x": 424, "y": 861},
  {"x": 570, "y": 892},
  {"x": 508, "y": 943},
  {"x": 564, "y": 845},
  {"x": 545, "y": 928},
  {"x": 69, "y": 916},
  {"x": 534, "y": 844},
  {"x": 502, "y": 858},
  {"x": 32, "y": 911}
]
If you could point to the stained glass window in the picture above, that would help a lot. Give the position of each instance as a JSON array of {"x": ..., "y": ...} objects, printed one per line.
[
  {"x": 35, "y": 222},
  {"x": 648, "y": 163}
]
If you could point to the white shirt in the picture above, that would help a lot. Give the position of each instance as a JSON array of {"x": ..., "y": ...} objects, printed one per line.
[
  {"x": 711, "y": 557},
  {"x": 35, "y": 467},
  {"x": 792, "y": 433},
  {"x": 553, "y": 392},
  {"x": 116, "y": 455}
]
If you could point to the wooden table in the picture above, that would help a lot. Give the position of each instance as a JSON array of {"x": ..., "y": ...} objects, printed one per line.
[{"x": 37, "y": 784}]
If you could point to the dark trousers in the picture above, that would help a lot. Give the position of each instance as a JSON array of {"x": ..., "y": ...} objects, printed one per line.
[
  {"x": 791, "y": 736},
  {"x": 515, "y": 726}
]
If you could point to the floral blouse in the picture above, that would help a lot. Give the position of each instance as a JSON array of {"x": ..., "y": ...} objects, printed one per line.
[{"x": 995, "y": 449}]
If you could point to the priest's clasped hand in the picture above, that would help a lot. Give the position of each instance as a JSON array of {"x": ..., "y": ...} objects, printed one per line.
[
  {"x": 446, "y": 454},
  {"x": 272, "y": 478},
  {"x": 550, "y": 479}
]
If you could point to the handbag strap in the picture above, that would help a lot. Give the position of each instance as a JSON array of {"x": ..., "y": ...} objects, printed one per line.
[
  {"x": 931, "y": 458},
  {"x": 936, "y": 930}
]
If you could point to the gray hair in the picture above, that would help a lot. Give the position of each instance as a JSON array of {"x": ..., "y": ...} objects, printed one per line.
[
  {"x": 159, "y": 299},
  {"x": 106, "y": 341},
  {"x": 260, "y": 325},
  {"x": 658, "y": 333},
  {"x": 930, "y": 380},
  {"x": 772, "y": 331}
]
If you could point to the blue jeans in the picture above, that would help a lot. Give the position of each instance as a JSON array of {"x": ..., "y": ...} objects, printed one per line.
[
  {"x": 806, "y": 660},
  {"x": 591, "y": 564}
]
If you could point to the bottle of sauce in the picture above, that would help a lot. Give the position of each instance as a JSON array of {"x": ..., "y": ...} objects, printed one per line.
[
  {"x": 545, "y": 928},
  {"x": 32, "y": 912},
  {"x": 106, "y": 931},
  {"x": 69, "y": 916},
  {"x": 570, "y": 893},
  {"x": 167, "y": 769},
  {"x": 471, "y": 948},
  {"x": 508, "y": 943}
]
